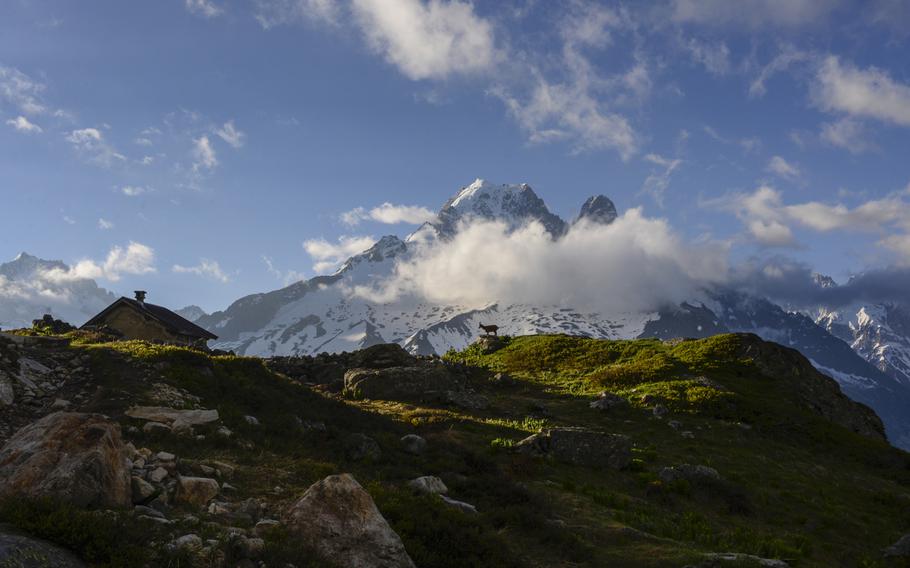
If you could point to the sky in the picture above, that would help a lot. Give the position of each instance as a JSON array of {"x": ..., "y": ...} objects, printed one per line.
[{"x": 207, "y": 149}]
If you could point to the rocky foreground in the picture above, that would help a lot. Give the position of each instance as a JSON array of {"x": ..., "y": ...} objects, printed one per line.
[{"x": 536, "y": 451}]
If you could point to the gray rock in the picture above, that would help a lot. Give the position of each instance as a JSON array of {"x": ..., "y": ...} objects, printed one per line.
[
  {"x": 609, "y": 401},
  {"x": 413, "y": 384},
  {"x": 196, "y": 491},
  {"x": 72, "y": 457},
  {"x": 339, "y": 520},
  {"x": 19, "y": 551},
  {"x": 579, "y": 446},
  {"x": 187, "y": 542},
  {"x": 143, "y": 491},
  {"x": 659, "y": 410},
  {"x": 428, "y": 484},
  {"x": 155, "y": 428},
  {"x": 361, "y": 447},
  {"x": 460, "y": 505},
  {"x": 265, "y": 525},
  {"x": 158, "y": 474},
  {"x": 172, "y": 417},
  {"x": 251, "y": 420},
  {"x": 689, "y": 472},
  {"x": 900, "y": 549},
  {"x": 740, "y": 558},
  {"x": 413, "y": 444},
  {"x": 382, "y": 356}
]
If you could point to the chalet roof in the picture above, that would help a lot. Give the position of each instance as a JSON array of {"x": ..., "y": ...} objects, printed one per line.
[{"x": 171, "y": 321}]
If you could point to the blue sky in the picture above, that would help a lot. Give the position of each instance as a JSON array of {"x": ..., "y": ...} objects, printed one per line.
[{"x": 195, "y": 147}]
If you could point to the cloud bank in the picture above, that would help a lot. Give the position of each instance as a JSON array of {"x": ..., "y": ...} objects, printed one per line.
[{"x": 635, "y": 263}]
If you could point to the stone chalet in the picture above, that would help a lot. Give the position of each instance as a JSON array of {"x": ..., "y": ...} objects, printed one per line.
[{"x": 137, "y": 319}]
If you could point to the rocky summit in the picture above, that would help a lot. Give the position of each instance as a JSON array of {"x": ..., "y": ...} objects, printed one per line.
[{"x": 539, "y": 450}]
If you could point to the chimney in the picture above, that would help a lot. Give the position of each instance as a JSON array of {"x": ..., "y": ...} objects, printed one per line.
[{"x": 140, "y": 296}]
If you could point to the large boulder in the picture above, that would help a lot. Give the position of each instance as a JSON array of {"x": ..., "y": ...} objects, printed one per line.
[
  {"x": 431, "y": 383},
  {"x": 338, "y": 518},
  {"x": 196, "y": 491},
  {"x": 172, "y": 417},
  {"x": 72, "y": 457},
  {"x": 382, "y": 356},
  {"x": 579, "y": 446},
  {"x": 900, "y": 549},
  {"x": 22, "y": 551}
]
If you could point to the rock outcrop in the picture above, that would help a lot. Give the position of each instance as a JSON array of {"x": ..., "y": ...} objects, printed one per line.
[
  {"x": 579, "y": 446},
  {"x": 72, "y": 457},
  {"x": 338, "y": 519},
  {"x": 413, "y": 384},
  {"x": 20, "y": 551}
]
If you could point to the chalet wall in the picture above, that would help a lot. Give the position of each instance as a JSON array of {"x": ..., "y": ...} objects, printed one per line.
[{"x": 134, "y": 325}]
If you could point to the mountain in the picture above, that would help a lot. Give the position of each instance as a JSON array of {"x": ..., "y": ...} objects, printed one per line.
[
  {"x": 192, "y": 312},
  {"x": 321, "y": 314},
  {"x": 31, "y": 287}
]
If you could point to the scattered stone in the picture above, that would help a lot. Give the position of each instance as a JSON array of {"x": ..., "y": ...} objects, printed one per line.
[
  {"x": 580, "y": 446},
  {"x": 222, "y": 469},
  {"x": 143, "y": 491},
  {"x": 60, "y": 404},
  {"x": 489, "y": 343},
  {"x": 503, "y": 379},
  {"x": 148, "y": 511},
  {"x": 224, "y": 432},
  {"x": 687, "y": 434},
  {"x": 251, "y": 420},
  {"x": 165, "y": 456},
  {"x": 688, "y": 472},
  {"x": 413, "y": 444},
  {"x": 460, "y": 505},
  {"x": 467, "y": 399},
  {"x": 265, "y": 525},
  {"x": 155, "y": 428},
  {"x": 196, "y": 491},
  {"x": 173, "y": 417},
  {"x": 187, "y": 542},
  {"x": 339, "y": 520},
  {"x": 382, "y": 356},
  {"x": 428, "y": 484},
  {"x": 675, "y": 424},
  {"x": 609, "y": 401},
  {"x": 72, "y": 457},
  {"x": 359, "y": 447},
  {"x": 659, "y": 411},
  {"x": 900, "y": 549},
  {"x": 740, "y": 558},
  {"x": 158, "y": 474}
]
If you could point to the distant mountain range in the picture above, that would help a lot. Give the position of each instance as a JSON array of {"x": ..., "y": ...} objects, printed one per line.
[{"x": 866, "y": 348}]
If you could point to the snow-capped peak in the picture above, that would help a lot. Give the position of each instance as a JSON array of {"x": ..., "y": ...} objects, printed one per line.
[{"x": 514, "y": 204}]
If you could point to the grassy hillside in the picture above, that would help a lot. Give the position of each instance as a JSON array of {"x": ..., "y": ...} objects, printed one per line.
[{"x": 794, "y": 484}]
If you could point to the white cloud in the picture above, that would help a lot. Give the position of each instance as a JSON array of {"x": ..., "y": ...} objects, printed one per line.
[
  {"x": 206, "y": 267},
  {"x": 204, "y": 8},
  {"x": 657, "y": 182},
  {"x": 231, "y": 135},
  {"x": 21, "y": 91},
  {"x": 329, "y": 256},
  {"x": 142, "y": 141},
  {"x": 146, "y": 160},
  {"x": 133, "y": 190},
  {"x": 203, "y": 154},
  {"x": 104, "y": 224},
  {"x": 869, "y": 93},
  {"x": 90, "y": 143},
  {"x": 752, "y": 13},
  {"x": 783, "y": 168},
  {"x": 23, "y": 124},
  {"x": 847, "y": 133},
  {"x": 270, "y": 13},
  {"x": 788, "y": 56},
  {"x": 769, "y": 220},
  {"x": 427, "y": 40},
  {"x": 715, "y": 57},
  {"x": 635, "y": 263},
  {"x": 900, "y": 244},
  {"x": 136, "y": 259},
  {"x": 69, "y": 220},
  {"x": 389, "y": 214}
]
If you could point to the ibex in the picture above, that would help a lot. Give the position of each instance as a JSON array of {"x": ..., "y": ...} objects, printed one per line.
[{"x": 490, "y": 329}]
